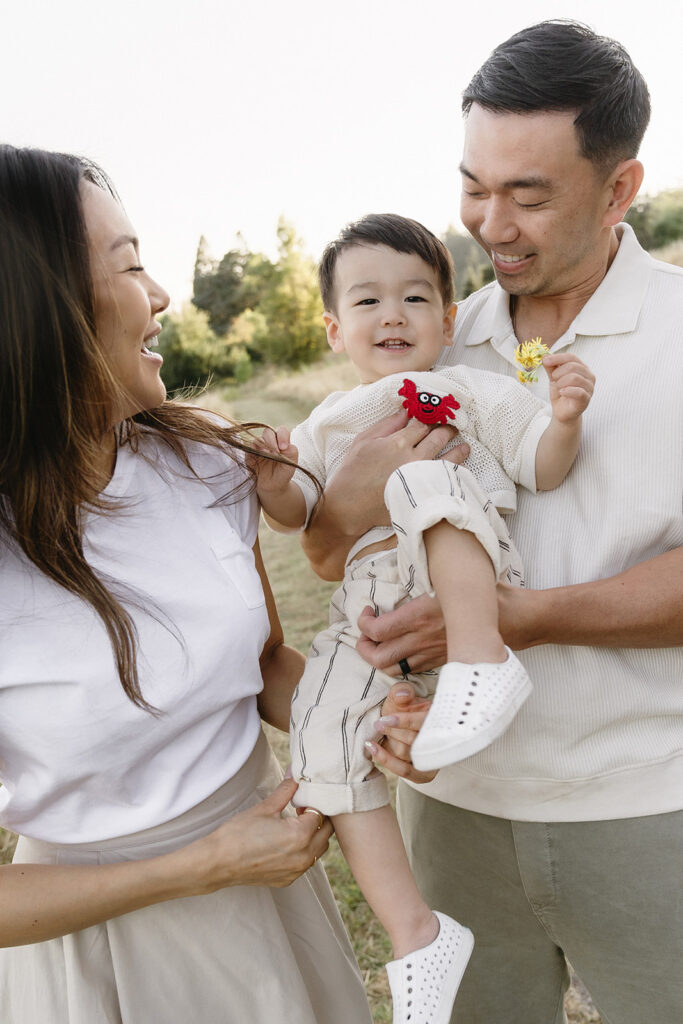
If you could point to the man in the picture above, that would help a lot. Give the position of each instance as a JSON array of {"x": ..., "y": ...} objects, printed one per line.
[{"x": 565, "y": 836}]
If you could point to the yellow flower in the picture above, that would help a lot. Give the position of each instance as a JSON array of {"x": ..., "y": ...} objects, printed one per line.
[{"x": 529, "y": 355}]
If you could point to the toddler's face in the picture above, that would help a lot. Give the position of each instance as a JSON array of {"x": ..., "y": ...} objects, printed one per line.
[{"x": 390, "y": 316}]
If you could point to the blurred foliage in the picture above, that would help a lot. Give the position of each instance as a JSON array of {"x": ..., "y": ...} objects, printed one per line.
[
  {"x": 291, "y": 306},
  {"x": 657, "y": 220},
  {"x": 472, "y": 266},
  {"x": 263, "y": 310},
  {"x": 192, "y": 352}
]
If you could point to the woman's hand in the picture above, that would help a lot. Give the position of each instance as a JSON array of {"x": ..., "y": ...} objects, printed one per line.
[
  {"x": 259, "y": 847},
  {"x": 402, "y": 716}
]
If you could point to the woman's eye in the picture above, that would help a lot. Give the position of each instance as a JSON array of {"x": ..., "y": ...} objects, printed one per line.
[{"x": 136, "y": 270}]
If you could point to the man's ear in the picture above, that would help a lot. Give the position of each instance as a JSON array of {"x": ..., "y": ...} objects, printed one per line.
[
  {"x": 622, "y": 188},
  {"x": 333, "y": 331},
  {"x": 449, "y": 324}
]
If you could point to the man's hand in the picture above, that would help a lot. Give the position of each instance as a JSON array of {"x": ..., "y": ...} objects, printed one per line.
[
  {"x": 402, "y": 716},
  {"x": 354, "y": 497},
  {"x": 414, "y": 631}
]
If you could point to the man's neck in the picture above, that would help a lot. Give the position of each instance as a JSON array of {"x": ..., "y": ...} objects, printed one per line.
[{"x": 549, "y": 316}]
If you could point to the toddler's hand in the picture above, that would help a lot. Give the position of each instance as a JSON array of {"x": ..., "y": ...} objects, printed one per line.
[
  {"x": 273, "y": 477},
  {"x": 571, "y": 385}
]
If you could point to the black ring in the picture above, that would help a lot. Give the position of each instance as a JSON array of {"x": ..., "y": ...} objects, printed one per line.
[{"x": 404, "y": 667}]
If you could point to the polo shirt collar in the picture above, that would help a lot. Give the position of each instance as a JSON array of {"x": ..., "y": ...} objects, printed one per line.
[{"x": 613, "y": 308}]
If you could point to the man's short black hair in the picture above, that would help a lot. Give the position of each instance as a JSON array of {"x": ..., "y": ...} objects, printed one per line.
[
  {"x": 564, "y": 65},
  {"x": 399, "y": 233}
]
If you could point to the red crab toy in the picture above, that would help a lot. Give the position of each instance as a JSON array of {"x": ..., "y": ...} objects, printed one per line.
[{"x": 425, "y": 407}]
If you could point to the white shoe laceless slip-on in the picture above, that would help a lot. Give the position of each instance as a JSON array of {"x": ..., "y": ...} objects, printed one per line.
[
  {"x": 424, "y": 983},
  {"x": 473, "y": 705}
]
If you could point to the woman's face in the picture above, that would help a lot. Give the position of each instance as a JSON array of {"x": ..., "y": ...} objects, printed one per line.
[{"x": 127, "y": 302}]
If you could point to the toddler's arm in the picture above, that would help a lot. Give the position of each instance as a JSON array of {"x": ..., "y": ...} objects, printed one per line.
[
  {"x": 571, "y": 387},
  {"x": 283, "y": 503}
]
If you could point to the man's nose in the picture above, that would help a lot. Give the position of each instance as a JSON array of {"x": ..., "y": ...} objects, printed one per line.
[{"x": 499, "y": 224}]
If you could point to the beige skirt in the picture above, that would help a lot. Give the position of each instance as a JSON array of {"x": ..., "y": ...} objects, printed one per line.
[{"x": 243, "y": 955}]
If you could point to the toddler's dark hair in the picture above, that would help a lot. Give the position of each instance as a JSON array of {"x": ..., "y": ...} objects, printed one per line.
[{"x": 399, "y": 233}]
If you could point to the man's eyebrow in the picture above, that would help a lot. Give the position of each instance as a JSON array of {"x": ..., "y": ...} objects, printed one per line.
[
  {"x": 533, "y": 181},
  {"x": 124, "y": 240}
]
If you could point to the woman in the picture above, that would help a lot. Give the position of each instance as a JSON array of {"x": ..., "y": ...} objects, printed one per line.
[{"x": 139, "y": 641}]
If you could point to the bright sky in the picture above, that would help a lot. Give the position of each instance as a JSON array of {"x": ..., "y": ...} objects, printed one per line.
[{"x": 218, "y": 116}]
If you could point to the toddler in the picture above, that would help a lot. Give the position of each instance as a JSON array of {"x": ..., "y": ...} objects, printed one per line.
[{"x": 387, "y": 286}]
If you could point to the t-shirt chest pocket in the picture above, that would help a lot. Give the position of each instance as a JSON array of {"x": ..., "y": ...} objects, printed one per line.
[{"x": 235, "y": 558}]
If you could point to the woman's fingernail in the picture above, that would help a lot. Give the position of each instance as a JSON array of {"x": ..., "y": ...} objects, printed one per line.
[
  {"x": 401, "y": 693},
  {"x": 288, "y": 772},
  {"x": 371, "y": 748},
  {"x": 386, "y": 722}
]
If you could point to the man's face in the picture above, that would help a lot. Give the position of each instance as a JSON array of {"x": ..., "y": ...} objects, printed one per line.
[{"x": 533, "y": 202}]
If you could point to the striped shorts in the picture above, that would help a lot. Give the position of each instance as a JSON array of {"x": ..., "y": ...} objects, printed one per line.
[{"x": 340, "y": 695}]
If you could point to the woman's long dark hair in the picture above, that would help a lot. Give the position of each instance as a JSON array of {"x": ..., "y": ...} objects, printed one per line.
[{"x": 57, "y": 390}]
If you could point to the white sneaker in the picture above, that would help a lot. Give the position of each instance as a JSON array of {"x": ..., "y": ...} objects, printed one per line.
[
  {"x": 473, "y": 705},
  {"x": 424, "y": 983}
]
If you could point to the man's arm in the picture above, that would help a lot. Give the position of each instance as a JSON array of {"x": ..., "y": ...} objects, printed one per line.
[
  {"x": 354, "y": 498},
  {"x": 640, "y": 607}
]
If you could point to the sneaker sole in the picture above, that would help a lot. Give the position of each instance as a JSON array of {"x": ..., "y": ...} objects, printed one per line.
[{"x": 458, "y": 750}]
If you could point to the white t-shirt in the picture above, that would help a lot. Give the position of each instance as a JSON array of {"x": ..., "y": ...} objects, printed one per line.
[
  {"x": 602, "y": 734},
  {"x": 79, "y": 762}
]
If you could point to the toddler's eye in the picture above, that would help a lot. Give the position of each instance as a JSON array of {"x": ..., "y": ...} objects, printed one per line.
[
  {"x": 366, "y": 302},
  {"x": 415, "y": 298}
]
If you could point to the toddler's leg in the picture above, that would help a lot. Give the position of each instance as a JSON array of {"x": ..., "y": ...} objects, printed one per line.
[
  {"x": 451, "y": 539},
  {"x": 464, "y": 582},
  {"x": 432, "y": 950}
]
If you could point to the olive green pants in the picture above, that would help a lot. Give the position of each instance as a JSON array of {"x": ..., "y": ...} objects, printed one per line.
[{"x": 607, "y": 895}]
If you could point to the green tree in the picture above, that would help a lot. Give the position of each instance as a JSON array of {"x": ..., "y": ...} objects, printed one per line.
[
  {"x": 290, "y": 305},
  {"x": 191, "y": 350},
  {"x": 657, "y": 220},
  {"x": 219, "y": 287}
]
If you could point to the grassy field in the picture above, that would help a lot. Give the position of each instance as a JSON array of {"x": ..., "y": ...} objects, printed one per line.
[{"x": 284, "y": 399}]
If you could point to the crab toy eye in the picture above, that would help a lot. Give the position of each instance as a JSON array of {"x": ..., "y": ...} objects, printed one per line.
[
  {"x": 435, "y": 400},
  {"x": 424, "y": 397}
]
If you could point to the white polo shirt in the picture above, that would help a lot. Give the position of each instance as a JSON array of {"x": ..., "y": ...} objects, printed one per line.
[
  {"x": 79, "y": 762},
  {"x": 602, "y": 734}
]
